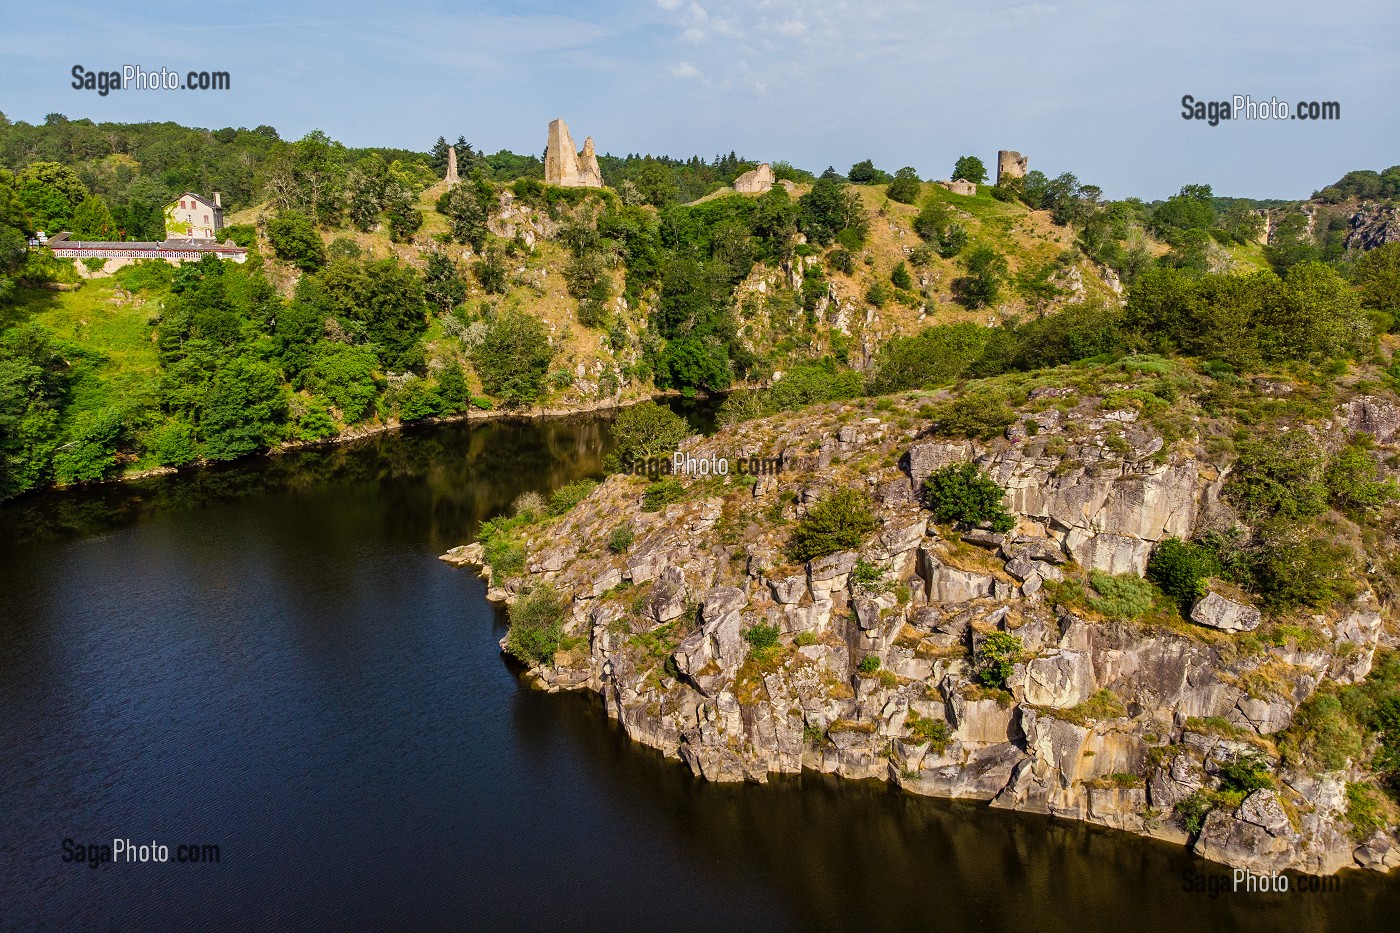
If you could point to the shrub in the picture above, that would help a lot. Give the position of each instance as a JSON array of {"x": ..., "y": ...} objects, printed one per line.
[
  {"x": 963, "y": 493},
  {"x": 1126, "y": 596},
  {"x": 1245, "y": 774},
  {"x": 662, "y": 493},
  {"x": 1193, "y": 809},
  {"x": 840, "y": 521},
  {"x": 620, "y": 539},
  {"x": 1322, "y": 735},
  {"x": 1278, "y": 477},
  {"x": 1181, "y": 568},
  {"x": 995, "y": 659},
  {"x": 528, "y": 505},
  {"x": 762, "y": 638},
  {"x": 869, "y": 578},
  {"x": 1354, "y": 482},
  {"x": 869, "y": 664},
  {"x": 906, "y": 187},
  {"x": 536, "y": 625},
  {"x": 938, "y": 355},
  {"x": 933, "y": 731},
  {"x": 899, "y": 277},
  {"x": 981, "y": 416},
  {"x": 566, "y": 497},
  {"x": 1365, "y": 810},
  {"x": 1290, "y": 565}
]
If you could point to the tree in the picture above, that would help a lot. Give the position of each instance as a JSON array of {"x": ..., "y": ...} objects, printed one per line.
[
  {"x": 970, "y": 168},
  {"x": 467, "y": 207},
  {"x": 344, "y": 376},
  {"x": 294, "y": 239},
  {"x": 452, "y": 389},
  {"x": 93, "y": 221},
  {"x": 986, "y": 272},
  {"x": 932, "y": 219},
  {"x": 50, "y": 193},
  {"x": 695, "y": 362},
  {"x": 89, "y": 452},
  {"x": 899, "y": 277},
  {"x": 443, "y": 285},
  {"x": 644, "y": 431},
  {"x": 828, "y": 209},
  {"x": 1378, "y": 279},
  {"x": 865, "y": 173},
  {"x": 513, "y": 358},
  {"x": 995, "y": 659},
  {"x": 243, "y": 411},
  {"x": 906, "y": 186}
]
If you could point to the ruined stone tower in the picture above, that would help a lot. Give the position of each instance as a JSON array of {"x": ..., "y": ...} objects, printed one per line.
[
  {"x": 452, "y": 178},
  {"x": 562, "y": 163},
  {"x": 1010, "y": 165}
]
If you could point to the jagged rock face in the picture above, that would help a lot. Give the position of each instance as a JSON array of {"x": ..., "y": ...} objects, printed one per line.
[
  {"x": 666, "y": 622},
  {"x": 1373, "y": 226},
  {"x": 1225, "y": 614}
]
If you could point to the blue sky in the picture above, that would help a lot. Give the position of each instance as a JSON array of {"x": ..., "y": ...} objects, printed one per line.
[{"x": 1092, "y": 87}]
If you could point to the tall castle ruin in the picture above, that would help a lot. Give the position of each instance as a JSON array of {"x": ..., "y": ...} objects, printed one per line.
[{"x": 567, "y": 167}]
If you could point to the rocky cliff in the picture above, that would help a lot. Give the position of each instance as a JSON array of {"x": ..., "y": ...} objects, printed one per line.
[{"x": 1103, "y": 718}]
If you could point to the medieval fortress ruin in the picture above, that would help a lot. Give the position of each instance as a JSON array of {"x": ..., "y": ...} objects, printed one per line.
[
  {"x": 565, "y": 166},
  {"x": 1010, "y": 165}
]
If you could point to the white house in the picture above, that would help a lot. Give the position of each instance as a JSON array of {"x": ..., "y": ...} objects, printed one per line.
[{"x": 193, "y": 217}]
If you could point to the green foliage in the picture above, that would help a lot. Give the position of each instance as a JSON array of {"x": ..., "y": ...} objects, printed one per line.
[
  {"x": 1323, "y": 735},
  {"x": 345, "y": 376},
  {"x": 443, "y": 285},
  {"x": 34, "y": 380},
  {"x": 906, "y": 186},
  {"x": 294, "y": 239},
  {"x": 502, "y": 549},
  {"x": 762, "y": 639},
  {"x": 1193, "y": 809},
  {"x": 979, "y": 415},
  {"x": 172, "y": 443},
  {"x": 537, "y": 625},
  {"x": 566, "y": 497},
  {"x": 243, "y": 410},
  {"x": 1245, "y": 774},
  {"x": 963, "y": 493},
  {"x": 90, "y": 449},
  {"x": 1125, "y": 596},
  {"x": 869, "y": 664},
  {"x": 645, "y": 430},
  {"x": 869, "y": 578},
  {"x": 900, "y": 278},
  {"x": 621, "y": 539},
  {"x": 1180, "y": 569},
  {"x": 662, "y": 493},
  {"x": 1366, "y": 811},
  {"x": 940, "y": 355},
  {"x": 467, "y": 207},
  {"x": 802, "y": 385},
  {"x": 839, "y": 521},
  {"x": 513, "y": 358},
  {"x": 830, "y": 208},
  {"x": 995, "y": 658},
  {"x": 970, "y": 168},
  {"x": 933, "y": 731},
  {"x": 1279, "y": 476},
  {"x": 987, "y": 271},
  {"x": 1354, "y": 481}
]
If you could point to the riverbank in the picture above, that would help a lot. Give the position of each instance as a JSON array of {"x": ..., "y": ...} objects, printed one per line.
[{"x": 709, "y": 642}]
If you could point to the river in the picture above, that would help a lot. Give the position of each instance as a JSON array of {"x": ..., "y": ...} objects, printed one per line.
[{"x": 269, "y": 658}]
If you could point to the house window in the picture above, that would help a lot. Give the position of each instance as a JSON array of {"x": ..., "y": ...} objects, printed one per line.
[{"x": 206, "y": 218}]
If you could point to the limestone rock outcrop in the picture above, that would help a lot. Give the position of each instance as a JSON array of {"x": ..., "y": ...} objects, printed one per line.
[{"x": 708, "y": 643}]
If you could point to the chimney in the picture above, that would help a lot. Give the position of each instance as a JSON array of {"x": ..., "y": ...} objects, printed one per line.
[{"x": 217, "y": 202}]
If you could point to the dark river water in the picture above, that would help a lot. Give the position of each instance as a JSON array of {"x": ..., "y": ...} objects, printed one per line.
[{"x": 268, "y": 657}]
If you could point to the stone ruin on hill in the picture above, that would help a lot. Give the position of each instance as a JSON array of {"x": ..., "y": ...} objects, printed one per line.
[
  {"x": 452, "y": 178},
  {"x": 566, "y": 167},
  {"x": 756, "y": 181},
  {"x": 1010, "y": 164}
]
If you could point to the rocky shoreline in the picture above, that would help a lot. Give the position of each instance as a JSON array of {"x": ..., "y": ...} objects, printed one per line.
[{"x": 1106, "y": 720}]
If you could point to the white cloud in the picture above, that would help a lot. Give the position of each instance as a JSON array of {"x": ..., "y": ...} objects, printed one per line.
[{"x": 685, "y": 70}]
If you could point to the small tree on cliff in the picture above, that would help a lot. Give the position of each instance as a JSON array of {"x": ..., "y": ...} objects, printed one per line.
[{"x": 840, "y": 521}]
